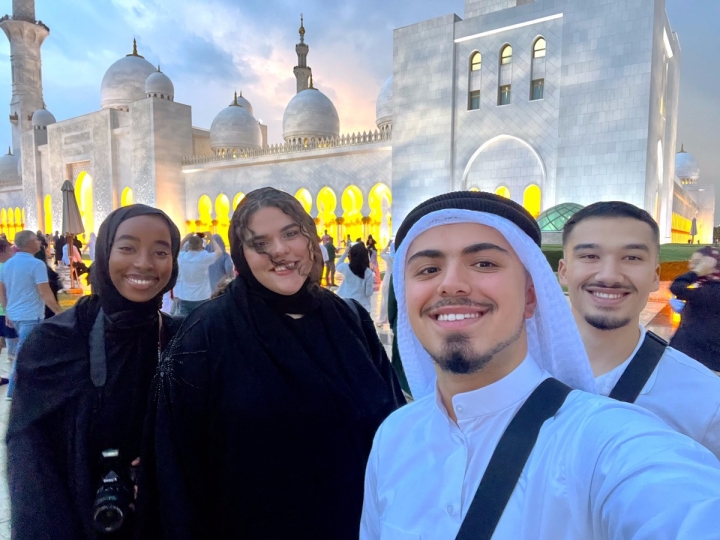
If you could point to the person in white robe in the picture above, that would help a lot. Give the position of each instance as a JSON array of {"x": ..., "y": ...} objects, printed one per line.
[
  {"x": 482, "y": 322},
  {"x": 611, "y": 266}
]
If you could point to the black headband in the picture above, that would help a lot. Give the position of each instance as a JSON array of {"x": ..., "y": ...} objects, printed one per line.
[{"x": 477, "y": 201}]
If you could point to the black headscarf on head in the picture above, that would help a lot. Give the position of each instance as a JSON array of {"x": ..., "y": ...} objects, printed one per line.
[{"x": 59, "y": 421}]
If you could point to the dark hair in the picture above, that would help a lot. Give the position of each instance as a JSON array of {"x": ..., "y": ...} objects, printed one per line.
[
  {"x": 359, "y": 260},
  {"x": 609, "y": 210},
  {"x": 4, "y": 245},
  {"x": 289, "y": 205}
]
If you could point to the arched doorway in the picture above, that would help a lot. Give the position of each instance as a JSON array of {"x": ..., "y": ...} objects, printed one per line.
[
  {"x": 352, "y": 202},
  {"x": 380, "y": 203},
  {"x": 505, "y": 163},
  {"x": 10, "y": 225},
  {"x": 204, "y": 221},
  {"x": 303, "y": 195},
  {"x": 47, "y": 210},
  {"x": 237, "y": 199},
  {"x": 222, "y": 215},
  {"x": 532, "y": 200},
  {"x": 84, "y": 195},
  {"x": 127, "y": 198},
  {"x": 4, "y": 222},
  {"x": 326, "y": 205}
]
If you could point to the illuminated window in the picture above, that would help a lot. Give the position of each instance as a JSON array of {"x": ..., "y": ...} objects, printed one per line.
[
  {"x": 47, "y": 207},
  {"x": 127, "y": 198},
  {"x": 476, "y": 62},
  {"x": 303, "y": 195},
  {"x": 236, "y": 199},
  {"x": 539, "y": 48},
  {"x": 506, "y": 55},
  {"x": 537, "y": 70},
  {"x": 503, "y": 192},
  {"x": 532, "y": 200}
]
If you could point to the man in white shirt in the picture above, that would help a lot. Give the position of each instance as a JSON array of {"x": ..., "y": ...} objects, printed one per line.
[
  {"x": 325, "y": 257},
  {"x": 193, "y": 282},
  {"x": 482, "y": 326},
  {"x": 610, "y": 266}
]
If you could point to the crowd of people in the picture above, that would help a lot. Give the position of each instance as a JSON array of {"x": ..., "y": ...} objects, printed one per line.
[{"x": 259, "y": 401}]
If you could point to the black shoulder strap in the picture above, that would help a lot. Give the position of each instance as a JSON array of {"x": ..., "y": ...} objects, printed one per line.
[
  {"x": 639, "y": 369},
  {"x": 98, "y": 367},
  {"x": 508, "y": 460}
]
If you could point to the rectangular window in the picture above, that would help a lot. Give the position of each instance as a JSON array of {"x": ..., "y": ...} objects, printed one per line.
[
  {"x": 538, "y": 89},
  {"x": 474, "y": 100},
  {"x": 504, "y": 95}
]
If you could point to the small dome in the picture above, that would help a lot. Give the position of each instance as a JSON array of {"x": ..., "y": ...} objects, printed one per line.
[
  {"x": 159, "y": 85},
  {"x": 9, "y": 167},
  {"x": 124, "y": 81},
  {"x": 686, "y": 166},
  {"x": 244, "y": 103},
  {"x": 42, "y": 118},
  {"x": 383, "y": 107},
  {"x": 310, "y": 114},
  {"x": 235, "y": 128},
  {"x": 554, "y": 219}
]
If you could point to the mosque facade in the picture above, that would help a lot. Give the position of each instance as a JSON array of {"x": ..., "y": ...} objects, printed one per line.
[{"x": 547, "y": 102}]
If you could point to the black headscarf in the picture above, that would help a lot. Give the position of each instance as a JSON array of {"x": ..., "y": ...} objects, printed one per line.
[{"x": 60, "y": 422}]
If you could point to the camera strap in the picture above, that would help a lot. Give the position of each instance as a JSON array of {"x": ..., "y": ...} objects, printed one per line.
[
  {"x": 98, "y": 363},
  {"x": 638, "y": 371}
]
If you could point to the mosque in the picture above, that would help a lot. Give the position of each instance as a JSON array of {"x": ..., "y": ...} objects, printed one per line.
[{"x": 553, "y": 103}]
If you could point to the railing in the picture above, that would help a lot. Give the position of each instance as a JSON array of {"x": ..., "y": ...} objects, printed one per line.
[{"x": 354, "y": 139}]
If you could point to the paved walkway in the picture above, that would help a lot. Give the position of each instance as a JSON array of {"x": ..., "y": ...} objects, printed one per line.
[{"x": 656, "y": 316}]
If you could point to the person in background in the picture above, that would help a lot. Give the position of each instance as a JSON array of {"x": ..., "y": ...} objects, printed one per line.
[
  {"x": 371, "y": 243},
  {"x": 53, "y": 278},
  {"x": 24, "y": 292},
  {"x": 59, "y": 244},
  {"x": 193, "y": 282},
  {"x": 387, "y": 255},
  {"x": 8, "y": 335},
  {"x": 610, "y": 265},
  {"x": 348, "y": 242},
  {"x": 330, "y": 265},
  {"x": 75, "y": 261},
  {"x": 324, "y": 252},
  {"x": 41, "y": 237},
  {"x": 325, "y": 237},
  {"x": 90, "y": 247},
  {"x": 698, "y": 335},
  {"x": 269, "y": 398},
  {"x": 358, "y": 279},
  {"x": 83, "y": 384},
  {"x": 223, "y": 267}
]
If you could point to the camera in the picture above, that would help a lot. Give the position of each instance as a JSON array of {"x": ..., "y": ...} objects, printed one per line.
[{"x": 114, "y": 496}]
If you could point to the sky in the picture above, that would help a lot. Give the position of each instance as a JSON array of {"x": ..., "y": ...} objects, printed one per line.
[{"x": 210, "y": 48}]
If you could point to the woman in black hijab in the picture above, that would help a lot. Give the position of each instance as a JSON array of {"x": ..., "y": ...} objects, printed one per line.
[
  {"x": 69, "y": 405},
  {"x": 270, "y": 395}
]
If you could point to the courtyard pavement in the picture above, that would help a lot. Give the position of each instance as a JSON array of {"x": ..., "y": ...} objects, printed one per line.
[{"x": 656, "y": 316}]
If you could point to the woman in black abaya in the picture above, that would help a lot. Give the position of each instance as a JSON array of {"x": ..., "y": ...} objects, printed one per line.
[
  {"x": 66, "y": 410},
  {"x": 270, "y": 395}
]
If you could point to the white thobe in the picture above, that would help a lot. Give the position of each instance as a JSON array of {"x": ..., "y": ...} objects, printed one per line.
[
  {"x": 681, "y": 391},
  {"x": 600, "y": 469}
]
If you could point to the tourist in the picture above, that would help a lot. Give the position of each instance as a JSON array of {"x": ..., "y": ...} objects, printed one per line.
[
  {"x": 358, "y": 280},
  {"x": 699, "y": 332},
  {"x": 387, "y": 255},
  {"x": 325, "y": 256},
  {"x": 330, "y": 265},
  {"x": 90, "y": 248},
  {"x": 483, "y": 328},
  {"x": 24, "y": 293},
  {"x": 193, "y": 283},
  {"x": 84, "y": 379},
  {"x": 348, "y": 242},
  {"x": 610, "y": 266},
  {"x": 371, "y": 244},
  {"x": 325, "y": 237},
  {"x": 76, "y": 260},
  {"x": 222, "y": 267},
  {"x": 270, "y": 397},
  {"x": 58, "y": 245},
  {"x": 8, "y": 335},
  {"x": 53, "y": 278}
]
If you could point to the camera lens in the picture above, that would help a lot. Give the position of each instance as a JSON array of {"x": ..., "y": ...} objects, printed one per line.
[{"x": 108, "y": 518}]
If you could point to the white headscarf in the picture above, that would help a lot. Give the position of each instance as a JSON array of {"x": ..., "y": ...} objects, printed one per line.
[{"x": 553, "y": 337}]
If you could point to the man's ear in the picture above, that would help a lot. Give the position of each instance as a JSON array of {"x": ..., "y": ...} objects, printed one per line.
[
  {"x": 656, "y": 279},
  {"x": 530, "y": 298},
  {"x": 562, "y": 272}
]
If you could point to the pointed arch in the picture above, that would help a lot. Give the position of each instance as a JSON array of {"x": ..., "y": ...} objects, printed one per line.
[
  {"x": 494, "y": 140},
  {"x": 127, "y": 198},
  {"x": 305, "y": 198}
]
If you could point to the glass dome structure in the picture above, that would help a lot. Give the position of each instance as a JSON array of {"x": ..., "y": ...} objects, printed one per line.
[{"x": 554, "y": 219}]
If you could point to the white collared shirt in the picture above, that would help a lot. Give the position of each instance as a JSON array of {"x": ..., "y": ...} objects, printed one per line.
[
  {"x": 681, "y": 391},
  {"x": 600, "y": 470}
]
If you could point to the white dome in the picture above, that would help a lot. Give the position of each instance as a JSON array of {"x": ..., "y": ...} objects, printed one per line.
[
  {"x": 686, "y": 166},
  {"x": 42, "y": 118},
  {"x": 310, "y": 114},
  {"x": 235, "y": 128},
  {"x": 383, "y": 107},
  {"x": 244, "y": 103},
  {"x": 9, "y": 165},
  {"x": 159, "y": 85},
  {"x": 124, "y": 81}
]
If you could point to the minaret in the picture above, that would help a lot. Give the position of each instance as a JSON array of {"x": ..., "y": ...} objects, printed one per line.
[
  {"x": 302, "y": 71},
  {"x": 26, "y": 36}
]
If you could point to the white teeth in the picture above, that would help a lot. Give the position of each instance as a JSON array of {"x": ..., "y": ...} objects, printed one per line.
[
  {"x": 283, "y": 267},
  {"x": 607, "y": 296},
  {"x": 139, "y": 281},
  {"x": 457, "y": 316}
]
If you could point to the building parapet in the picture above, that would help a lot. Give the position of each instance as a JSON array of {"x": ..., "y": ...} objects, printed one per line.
[{"x": 354, "y": 139}]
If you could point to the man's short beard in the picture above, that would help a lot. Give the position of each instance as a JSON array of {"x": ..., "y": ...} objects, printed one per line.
[
  {"x": 606, "y": 322},
  {"x": 457, "y": 356}
]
